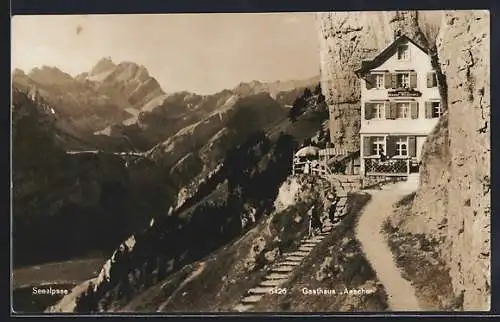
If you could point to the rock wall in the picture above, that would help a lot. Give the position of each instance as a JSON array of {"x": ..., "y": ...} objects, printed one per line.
[
  {"x": 376, "y": 182},
  {"x": 463, "y": 51},
  {"x": 452, "y": 204},
  {"x": 345, "y": 183}
]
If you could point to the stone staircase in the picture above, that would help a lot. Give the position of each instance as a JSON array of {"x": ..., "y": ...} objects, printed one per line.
[{"x": 282, "y": 270}]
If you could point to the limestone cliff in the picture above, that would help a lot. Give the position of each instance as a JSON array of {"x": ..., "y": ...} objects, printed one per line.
[
  {"x": 452, "y": 204},
  {"x": 460, "y": 177}
]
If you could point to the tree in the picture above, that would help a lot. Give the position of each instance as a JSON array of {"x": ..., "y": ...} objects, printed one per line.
[
  {"x": 321, "y": 98},
  {"x": 297, "y": 109},
  {"x": 292, "y": 115},
  {"x": 307, "y": 93},
  {"x": 317, "y": 89}
]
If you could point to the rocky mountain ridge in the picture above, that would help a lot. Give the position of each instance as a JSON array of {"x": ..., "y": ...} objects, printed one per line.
[
  {"x": 121, "y": 99},
  {"x": 90, "y": 102}
]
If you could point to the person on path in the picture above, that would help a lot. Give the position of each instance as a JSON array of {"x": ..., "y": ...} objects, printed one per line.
[
  {"x": 307, "y": 167},
  {"x": 315, "y": 220},
  {"x": 333, "y": 208},
  {"x": 309, "y": 216}
]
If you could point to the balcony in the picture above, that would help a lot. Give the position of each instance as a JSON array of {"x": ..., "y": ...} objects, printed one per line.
[{"x": 396, "y": 166}]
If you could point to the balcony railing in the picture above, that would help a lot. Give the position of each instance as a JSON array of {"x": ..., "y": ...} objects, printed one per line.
[{"x": 396, "y": 166}]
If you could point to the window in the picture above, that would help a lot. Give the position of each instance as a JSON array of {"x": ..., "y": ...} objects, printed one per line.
[
  {"x": 379, "y": 80},
  {"x": 402, "y": 80},
  {"x": 436, "y": 109},
  {"x": 431, "y": 79},
  {"x": 402, "y": 146},
  {"x": 378, "y": 145},
  {"x": 379, "y": 111},
  {"x": 403, "y": 110},
  {"x": 403, "y": 52}
]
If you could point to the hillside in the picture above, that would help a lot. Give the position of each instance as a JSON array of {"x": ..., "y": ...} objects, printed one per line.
[
  {"x": 77, "y": 196},
  {"x": 73, "y": 197},
  {"x": 230, "y": 197},
  {"x": 249, "y": 258}
]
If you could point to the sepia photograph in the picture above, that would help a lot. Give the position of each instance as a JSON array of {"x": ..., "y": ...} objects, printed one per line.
[{"x": 293, "y": 162}]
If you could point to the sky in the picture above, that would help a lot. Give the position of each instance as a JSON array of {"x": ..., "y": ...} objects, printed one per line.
[{"x": 202, "y": 53}]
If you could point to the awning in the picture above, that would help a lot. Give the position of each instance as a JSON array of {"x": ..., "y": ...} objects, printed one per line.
[{"x": 307, "y": 151}]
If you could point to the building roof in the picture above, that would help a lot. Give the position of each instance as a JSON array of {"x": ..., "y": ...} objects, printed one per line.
[
  {"x": 399, "y": 127},
  {"x": 378, "y": 60}
]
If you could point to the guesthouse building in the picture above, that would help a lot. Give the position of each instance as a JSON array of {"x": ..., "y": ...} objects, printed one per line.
[{"x": 400, "y": 106}]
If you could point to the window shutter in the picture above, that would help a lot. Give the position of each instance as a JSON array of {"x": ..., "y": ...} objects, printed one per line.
[
  {"x": 428, "y": 110},
  {"x": 414, "y": 110},
  {"x": 387, "y": 80},
  {"x": 387, "y": 112},
  {"x": 391, "y": 146},
  {"x": 434, "y": 80},
  {"x": 368, "y": 111},
  {"x": 413, "y": 80},
  {"x": 370, "y": 81},
  {"x": 430, "y": 79},
  {"x": 412, "y": 146},
  {"x": 367, "y": 146},
  {"x": 394, "y": 80},
  {"x": 394, "y": 110}
]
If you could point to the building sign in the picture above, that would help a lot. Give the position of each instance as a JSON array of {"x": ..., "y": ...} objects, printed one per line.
[{"x": 404, "y": 92}]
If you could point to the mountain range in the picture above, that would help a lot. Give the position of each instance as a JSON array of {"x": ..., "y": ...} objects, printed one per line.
[
  {"x": 120, "y": 106},
  {"x": 122, "y": 93}
]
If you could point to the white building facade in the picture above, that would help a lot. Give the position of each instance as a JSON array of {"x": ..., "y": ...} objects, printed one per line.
[{"x": 400, "y": 106}]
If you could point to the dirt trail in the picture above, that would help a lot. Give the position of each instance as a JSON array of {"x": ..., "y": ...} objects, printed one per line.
[{"x": 401, "y": 294}]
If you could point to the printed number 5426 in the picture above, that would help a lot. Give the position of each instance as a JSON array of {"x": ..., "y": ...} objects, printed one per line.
[{"x": 277, "y": 291}]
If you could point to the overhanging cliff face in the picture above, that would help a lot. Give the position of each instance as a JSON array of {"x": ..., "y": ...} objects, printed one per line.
[
  {"x": 347, "y": 38},
  {"x": 452, "y": 204},
  {"x": 463, "y": 220}
]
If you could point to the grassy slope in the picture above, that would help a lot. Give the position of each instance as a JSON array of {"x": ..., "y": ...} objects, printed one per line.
[
  {"x": 223, "y": 280},
  {"x": 219, "y": 286},
  {"x": 318, "y": 272},
  {"x": 420, "y": 263}
]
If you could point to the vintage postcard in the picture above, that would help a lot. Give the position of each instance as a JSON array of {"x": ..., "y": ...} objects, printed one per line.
[{"x": 251, "y": 162}]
